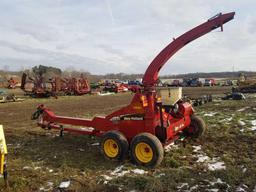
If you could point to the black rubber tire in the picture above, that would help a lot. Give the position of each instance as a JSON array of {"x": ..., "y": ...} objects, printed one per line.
[
  {"x": 121, "y": 141},
  {"x": 197, "y": 127},
  {"x": 154, "y": 143}
]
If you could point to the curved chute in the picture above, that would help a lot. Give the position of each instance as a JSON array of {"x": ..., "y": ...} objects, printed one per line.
[{"x": 151, "y": 74}]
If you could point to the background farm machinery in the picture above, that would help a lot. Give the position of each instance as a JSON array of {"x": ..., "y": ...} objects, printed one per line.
[
  {"x": 6, "y": 98},
  {"x": 39, "y": 87},
  {"x": 70, "y": 86},
  {"x": 12, "y": 83},
  {"x": 198, "y": 101},
  {"x": 116, "y": 87},
  {"x": 246, "y": 84},
  {"x": 189, "y": 82}
]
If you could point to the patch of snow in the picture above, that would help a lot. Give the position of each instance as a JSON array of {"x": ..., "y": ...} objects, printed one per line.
[
  {"x": 64, "y": 184},
  {"x": 212, "y": 166},
  {"x": 212, "y": 190},
  {"x": 182, "y": 185},
  {"x": 139, "y": 171},
  {"x": 95, "y": 144},
  {"x": 229, "y": 119},
  {"x": 212, "y": 163},
  {"x": 197, "y": 148},
  {"x": 211, "y": 114},
  {"x": 215, "y": 184},
  {"x": 160, "y": 175},
  {"x": 107, "y": 178},
  {"x": 243, "y": 109},
  {"x": 242, "y": 123},
  {"x": 37, "y": 168},
  {"x": 242, "y": 188},
  {"x": 80, "y": 149},
  {"x": 122, "y": 173},
  {"x": 48, "y": 187},
  {"x": 49, "y": 183},
  {"x": 226, "y": 119},
  {"x": 170, "y": 146},
  {"x": 119, "y": 172},
  {"x": 27, "y": 168},
  {"x": 253, "y": 122},
  {"x": 202, "y": 158},
  {"x": 193, "y": 188},
  {"x": 219, "y": 181},
  {"x": 253, "y": 128}
]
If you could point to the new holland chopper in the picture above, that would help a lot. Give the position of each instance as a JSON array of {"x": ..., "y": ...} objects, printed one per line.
[{"x": 145, "y": 126}]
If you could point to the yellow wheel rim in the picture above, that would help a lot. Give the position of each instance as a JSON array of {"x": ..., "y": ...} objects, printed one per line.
[
  {"x": 111, "y": 148},
  {"x": 143, "y": 152}
]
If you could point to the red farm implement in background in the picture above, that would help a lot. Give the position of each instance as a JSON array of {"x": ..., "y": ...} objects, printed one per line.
[
  {"x": 12, "y": 83},
  {"x": 145, "y": 125},
  {"x": 71, "y": 86},
  {"x": 38, "y": 87},
  {"x": 115, "y": 87}
]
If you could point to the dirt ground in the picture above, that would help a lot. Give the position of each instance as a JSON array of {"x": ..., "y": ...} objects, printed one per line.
[{"x": 222, "y": 160}]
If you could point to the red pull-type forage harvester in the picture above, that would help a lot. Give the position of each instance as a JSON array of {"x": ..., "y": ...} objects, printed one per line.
[{"x": 145, "y": 125}]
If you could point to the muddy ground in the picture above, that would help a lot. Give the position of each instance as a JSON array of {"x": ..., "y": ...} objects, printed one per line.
[{"x": 38, "y": 160}]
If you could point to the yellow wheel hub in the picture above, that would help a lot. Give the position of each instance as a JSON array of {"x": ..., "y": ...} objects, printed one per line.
[
  {"x": 144, "y": 152},
  {"x": 111, "y": 148}
]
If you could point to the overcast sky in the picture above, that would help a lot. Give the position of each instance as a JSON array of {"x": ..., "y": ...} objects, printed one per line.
[{"x": 111, "y": 36}]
